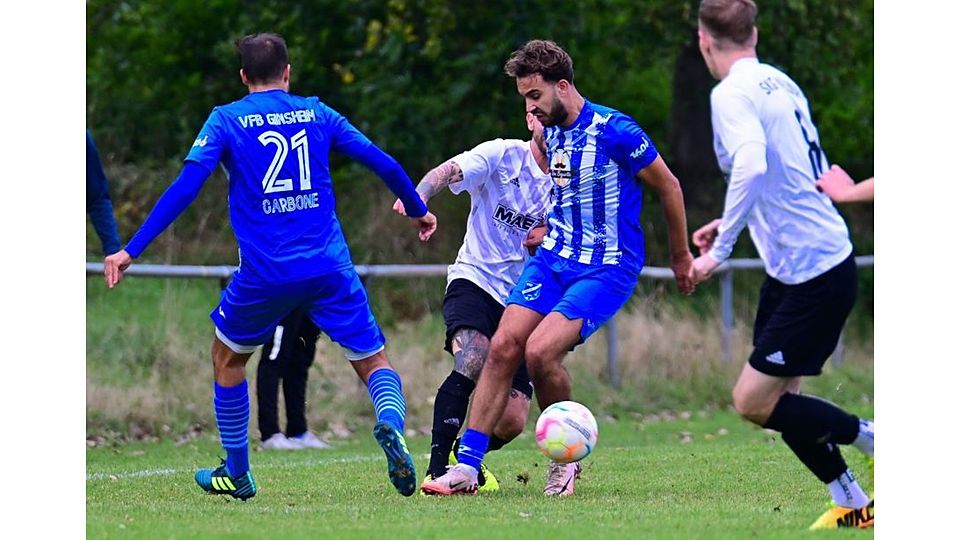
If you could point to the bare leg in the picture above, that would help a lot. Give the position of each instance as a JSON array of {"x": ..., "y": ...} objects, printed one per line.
[
  {"x": 756, "y": 394},
  {"x": 367, "y": 366},
  {"x": 546, "y": 348},
  {"x": 506, "y": 352},
  {"x": 229, "y": 368},
  {"x": 514, "y": 416}
]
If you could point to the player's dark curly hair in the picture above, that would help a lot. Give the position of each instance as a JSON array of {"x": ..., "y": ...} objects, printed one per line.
[
  {"x": 543, "y": 57},
  {"x": 731, "y": 20},
  {"x": 263, "y": 57}
]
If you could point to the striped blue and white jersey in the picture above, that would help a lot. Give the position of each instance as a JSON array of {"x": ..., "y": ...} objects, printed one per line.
[
  {"x": 595, "y": 214},
  {"x": 509, "y": 195}
]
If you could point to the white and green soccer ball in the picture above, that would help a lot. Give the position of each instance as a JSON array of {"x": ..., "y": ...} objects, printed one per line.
[{"x": 566, "y": 432}]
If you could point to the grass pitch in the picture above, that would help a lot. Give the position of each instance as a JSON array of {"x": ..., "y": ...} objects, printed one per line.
[{"x": 709, "y": 475}]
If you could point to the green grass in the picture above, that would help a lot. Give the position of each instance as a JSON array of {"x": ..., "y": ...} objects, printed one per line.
[
  {"x": 148, "y": 361},
  {"x": 709, "y": 475}
]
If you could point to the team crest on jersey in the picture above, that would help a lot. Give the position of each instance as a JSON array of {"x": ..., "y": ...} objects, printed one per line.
[{"x": 560, "y": 167}]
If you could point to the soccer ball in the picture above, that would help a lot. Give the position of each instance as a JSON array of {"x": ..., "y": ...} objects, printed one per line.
[{"x": 566, "y": 432}]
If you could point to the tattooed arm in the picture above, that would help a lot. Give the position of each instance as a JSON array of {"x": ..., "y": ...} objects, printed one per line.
[
  {"x": 434, "y": 181},
  {"x": 470, "y": 349}
]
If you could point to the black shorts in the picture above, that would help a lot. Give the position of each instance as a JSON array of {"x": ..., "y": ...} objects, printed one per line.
[
  {"x": 798, "y": 326},
  {"x": 468, "y": 306}
]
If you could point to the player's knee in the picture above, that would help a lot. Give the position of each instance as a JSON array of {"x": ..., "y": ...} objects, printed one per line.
[
  {"x": 750, "y": 406},
  {"x": 540, "y": 360},
  {"x": 504, "y": 349}
]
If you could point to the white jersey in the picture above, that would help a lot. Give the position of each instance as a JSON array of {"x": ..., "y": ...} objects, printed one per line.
[
  {"x": 509, "y": 195},
  {"x": 797, "y": 231}
]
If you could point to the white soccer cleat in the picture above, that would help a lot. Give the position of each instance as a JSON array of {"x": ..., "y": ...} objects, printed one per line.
[
  {"x": 308, "y": 440},
  {"x": 561, "y": 478},
  {"x": 460, "y": 479},
  {"x": 279, "y": 441}
]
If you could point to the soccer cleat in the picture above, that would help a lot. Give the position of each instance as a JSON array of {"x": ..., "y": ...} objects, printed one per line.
[
  {"x": 308, "y": 440},
  {"x": 561, "y": 478},
  {"x": 486, "y": 481},
  {"x": 459, "y": 480},
  {"x": 279, "y": 441},
  {"x": 219, "y": 482},
  {"x": 400, "y": 467},
  {"x": 838, "y": 517},
  {"x": 428, "y": 478}
]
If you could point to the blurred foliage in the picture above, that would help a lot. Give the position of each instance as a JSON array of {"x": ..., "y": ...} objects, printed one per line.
[{"x": 424, "y": 80}]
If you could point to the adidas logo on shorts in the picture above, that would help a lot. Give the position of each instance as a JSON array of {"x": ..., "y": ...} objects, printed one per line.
[{"x": 776, "y": 358}]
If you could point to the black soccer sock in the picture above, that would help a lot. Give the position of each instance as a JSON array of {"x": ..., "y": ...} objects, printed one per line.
[
  {"x": 823, "y": 459},
  {"x": 449, "y": 412},
  {"x": 496, "y": 443},
  {"x": 810, "y": 418}
]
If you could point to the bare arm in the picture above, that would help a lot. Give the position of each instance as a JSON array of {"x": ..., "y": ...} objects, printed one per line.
[
  {"x": 438, "y": 178},
  {"x": 658, "y": 176},
  {"x": 838, "y": 185},
  {"x": 433, "y": 182}
]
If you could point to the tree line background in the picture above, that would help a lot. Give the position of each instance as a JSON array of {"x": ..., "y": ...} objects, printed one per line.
[{"x": 424, "y": 80}]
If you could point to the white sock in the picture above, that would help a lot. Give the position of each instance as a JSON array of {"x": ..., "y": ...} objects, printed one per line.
[
  {"x": 864, "y": 441},
  {"x": 847, "y": 492}
]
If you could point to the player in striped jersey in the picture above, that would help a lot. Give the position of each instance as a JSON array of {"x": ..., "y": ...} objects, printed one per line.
[
  {"x": 589, "y": 263},
  {"x": 509, "y": 194}
]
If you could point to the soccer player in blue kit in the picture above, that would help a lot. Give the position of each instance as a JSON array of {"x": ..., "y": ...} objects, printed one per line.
[
  {"x": 588, "y": 265},
  {"x": 275, "y": 147}
]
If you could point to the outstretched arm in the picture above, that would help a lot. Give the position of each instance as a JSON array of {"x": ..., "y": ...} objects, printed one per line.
[
  {"x": 749, "y": 166},
  {"x": 434, "y": 182},
  {"x": 99, "y": 205},
  {"x": 658, "y": 176},
  {"x": 171, "y": 204},
  {"x": 838, "y": 185}
]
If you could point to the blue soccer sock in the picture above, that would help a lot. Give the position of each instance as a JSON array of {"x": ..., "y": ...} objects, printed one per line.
[
  {"x": 231, "y": 404},
  {"x": 473, "y": 446},
  {"x": 385, "y": 392}
]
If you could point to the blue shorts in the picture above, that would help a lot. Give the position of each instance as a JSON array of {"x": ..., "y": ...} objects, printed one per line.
[
  {"x": 578, "y": 291},
  {"x": 337, "y": 303}
]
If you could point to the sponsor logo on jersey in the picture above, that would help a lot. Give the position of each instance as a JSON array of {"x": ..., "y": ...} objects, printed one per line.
[
  {"x": 200, "y": 142},
  {"x": 560, "y": 167},
  {"x": 640, "y": 149},
  {"x": 515, "y": 219}
]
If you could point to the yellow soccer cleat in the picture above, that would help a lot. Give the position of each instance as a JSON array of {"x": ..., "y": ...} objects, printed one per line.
[
  {"x": 486, "y": 481},
  {"x": 838, "y": 516}
]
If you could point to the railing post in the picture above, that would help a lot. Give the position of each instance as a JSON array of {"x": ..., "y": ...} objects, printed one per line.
[
  {"x": 613, "y": 370},
  {"x": 726, "y": 314}
]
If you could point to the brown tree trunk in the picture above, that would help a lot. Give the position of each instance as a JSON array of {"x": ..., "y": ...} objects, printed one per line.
[{"x": 690, "y": 137}]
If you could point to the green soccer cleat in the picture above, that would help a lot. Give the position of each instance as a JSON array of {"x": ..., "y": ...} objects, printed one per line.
[
  {"x": 400, "y": 467},
  {"x": 486, "y": 481},
  {"x": 219, "y": 482}
]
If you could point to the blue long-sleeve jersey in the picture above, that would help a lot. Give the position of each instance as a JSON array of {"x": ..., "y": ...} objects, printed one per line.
[
  {"x": 275, "y": 147},
  {"x": 99, "y": 205}
]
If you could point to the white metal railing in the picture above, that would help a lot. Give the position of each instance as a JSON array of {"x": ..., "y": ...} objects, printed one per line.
[{"x": 724, "y": 273}]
